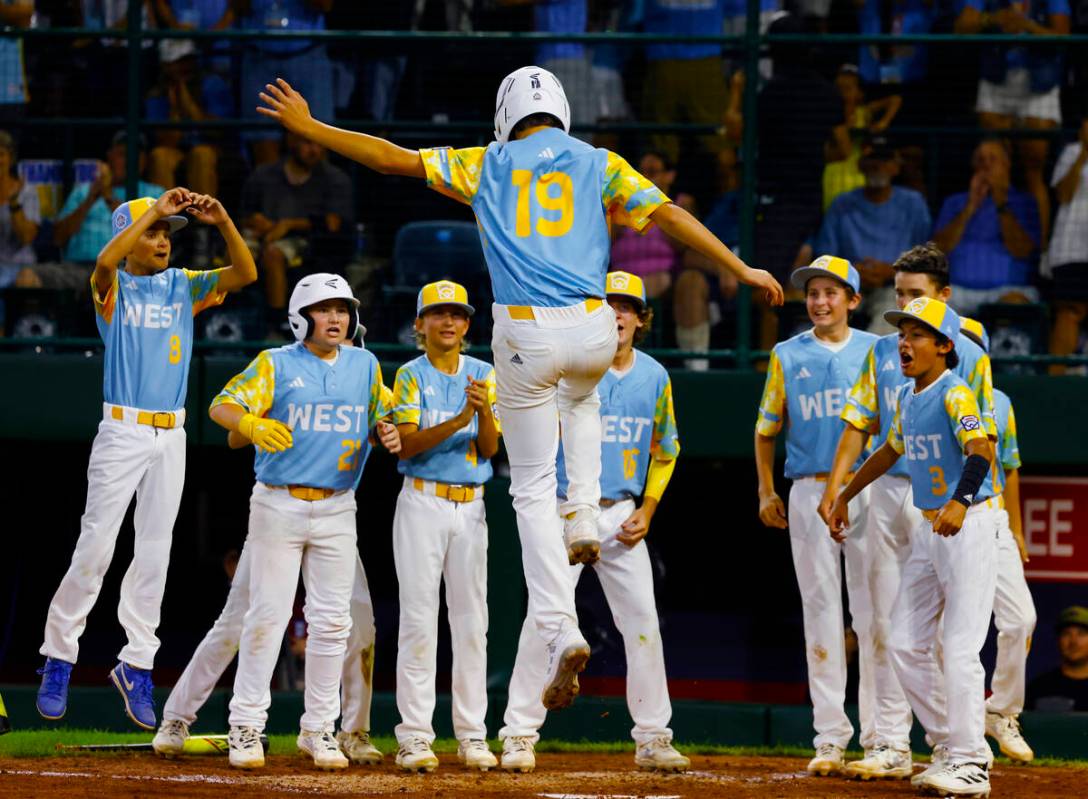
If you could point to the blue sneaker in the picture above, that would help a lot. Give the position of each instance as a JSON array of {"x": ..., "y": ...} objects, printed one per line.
[
  {"x": 53, "y": 693},
  {"x": 135, "y": 687}
]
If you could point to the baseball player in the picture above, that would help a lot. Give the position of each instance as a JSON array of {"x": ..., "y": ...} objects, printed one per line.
[
  {"x": 870, "y": 407},
  {"x": 144, "y": 313},
  {"x": 807, "y": 380},
  {"x": 309, "y": 408},
  {"x": 543, "y": 201},
  {"x": 638, "y": 455},
  {"x": 1014, "y": 609},
  {"x": 950, "y": 573},
  {"x": 445, "y": 414}
]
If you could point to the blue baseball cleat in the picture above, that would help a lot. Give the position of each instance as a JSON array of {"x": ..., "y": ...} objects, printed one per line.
[
  {"x": 53, "y": 693},
  {"x": 135, "y": 688}
]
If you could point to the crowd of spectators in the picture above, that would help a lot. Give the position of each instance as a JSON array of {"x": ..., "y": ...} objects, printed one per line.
[{"x": 848, "y": 161}]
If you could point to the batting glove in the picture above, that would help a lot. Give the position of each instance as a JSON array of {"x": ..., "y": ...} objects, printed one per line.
[{"x": 269, "y": 435}]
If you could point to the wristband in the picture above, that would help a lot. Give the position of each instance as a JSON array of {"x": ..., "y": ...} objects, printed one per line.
[{"x": 975, "y": 469}]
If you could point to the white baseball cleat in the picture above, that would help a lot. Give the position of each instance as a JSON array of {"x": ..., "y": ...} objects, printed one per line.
[
  {"x": 580, "y": 536},
  {"x": 1010, "y": 740},
  {"x": 415, "y": 755},
  {"x": 359, "y": 748},
  {"x": 567, "y": 658},
  {"x": 473, "y": 753},
  {"x": 323, "y": 748},
  {"x": 937, "y": 761},
  {"x": 518, "y": 754},
  {"x": 881, "y": 763},
  {"x": 828, "y": 760},
  {"x": 660, "y": 755},
  {"x": 246, "y": 751},
  {"x": 959, "y": 779},
  {"x": 169, "y": 741}
]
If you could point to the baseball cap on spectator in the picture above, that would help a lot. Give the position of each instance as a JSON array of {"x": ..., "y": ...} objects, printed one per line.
[
  {"x": 849, "y": 69},
  {"x": 171, "y": 50},
  {"x": 878, "y": 148},
  {"x": 1077, "y": 614},
  {"x": 828, "y": 266},
  {"x": 121, "y": 137},
  {"x": 127, "y": 213}
]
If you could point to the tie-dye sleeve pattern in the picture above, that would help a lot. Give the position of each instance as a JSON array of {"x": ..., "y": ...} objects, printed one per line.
[
  {"x": 204, "y": 289},
  {"x": 772, "y": 407},
  {"x": 665, "y": 445},
  {"x": 981, "y": 380},
  {"x": 493, "y": 399},
  {"x": 895, "y": 430},
  {"x": 378, "y": 409},
  {"x": 1008, "y": 446},
  {"x": 455, "y": 173},
  {"x": 104, "y": 304},
  {"x": 254, "y": 388},
  {"x": 406, "y": 407},
  {"x": 388, "y": 401},
  {"x": 963, "y": 412},
  {"x": 862, "y": 408},
  {"x": 629, "y": 197}
]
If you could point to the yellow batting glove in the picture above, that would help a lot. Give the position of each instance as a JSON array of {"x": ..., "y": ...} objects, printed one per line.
[{"x": 268, "y": 434}]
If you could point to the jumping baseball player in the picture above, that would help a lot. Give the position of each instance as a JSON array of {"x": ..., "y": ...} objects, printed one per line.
[
  {"x": 543, "y": 200},
  {"x": 638, "y": 455},
  {"x": 807, "y": 380},
  {"x": 870, "y": 407},
  {"x": 145, "y": 316},
  {"x": 950, "y": 573},
  {"x": 309, "y": 408},
  {"x": 1014, "y": 609}
]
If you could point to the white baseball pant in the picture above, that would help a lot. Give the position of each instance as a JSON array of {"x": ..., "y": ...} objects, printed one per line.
[
  {"x": 220, "y": 645},
  {"x": 287, "y": 535},
  {"x": 435, "y": 538},
  {"x": 1014, "y": 616},
  {"x": 950, "y": 580},
  {"x": 628, "y": 582},
  {"x": 126, "y": 459},
  {"x": 547, "y": 369},
  {"x": 817, "y": 562}
]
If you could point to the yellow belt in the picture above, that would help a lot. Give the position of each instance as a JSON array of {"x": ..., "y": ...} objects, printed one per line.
[
  {"x": 308, "y": 493},
  {"x": 454, "y": 493},
  {"x": 166, "y": 420},
  {"x": 994, "y": 503},
  {"x": 524, "y": 313},
  {"x": 821, "y": 477}
]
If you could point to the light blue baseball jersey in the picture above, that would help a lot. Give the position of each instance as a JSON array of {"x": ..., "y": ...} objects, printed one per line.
[
  {"x": 543, "y": 204},
  {"x": 330, "y": 408},
  {"x": 146, "y": 323},
  {"x": 637, "y": 422},
  {"x": 427, "y": 397},
  {"x": 1008, "y": 445},
  {"x": 806, "y": 387},
  {"x": 932, "y": 427}
]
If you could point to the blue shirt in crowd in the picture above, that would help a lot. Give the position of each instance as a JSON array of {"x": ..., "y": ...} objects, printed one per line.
[
  {"x": 689, "y": 17},
  {"x": 981, "y": 260},
  {"x": 559, "y": 16},
  {"x": 855, "y": 228},
  {"x": 294, "y": 15},
  {"x": 901, "y": 63}
]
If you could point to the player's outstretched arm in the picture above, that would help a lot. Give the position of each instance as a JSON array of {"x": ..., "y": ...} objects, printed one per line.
[
  {"x": 242, "y": 270},
  {"x": 685, "y": 228},
  {"x": 285, "y": 105},
  {"x": 772, "y": 511},
  {"x": 117, "y": 248},
  {"x": 851, "y": 443},
  {"x": 875, "y": 465}
]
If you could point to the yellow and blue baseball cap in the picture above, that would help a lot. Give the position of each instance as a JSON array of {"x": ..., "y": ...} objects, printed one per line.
[
  {"x": 828, "y": 266},
  {"x": 443, "y": 292},
  {"x": 934, "y": 314},
  {"x": 127, "y": 213},
  {"x": 974, "y": 330},
  {"x": 624, "y": 284}
]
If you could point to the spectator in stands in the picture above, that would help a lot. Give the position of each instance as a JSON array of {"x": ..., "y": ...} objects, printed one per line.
[
  {"x": 900, "y": 69},
  {"x": 108, "y": 57},
  {"x": 291, "y": 209},
  {"x": 874, "y": 225},
  {"x": 1067, "y": 258},
  {"x": 1019, "y": 86},
  {"x": 201, "y": 15},
  {"x": 303, "y": 63},
  {"x": 368, "y": 79},
  {"x": 186, "y": 92},
  {"x": 13, "y": 94},
  {"x": 1066, "y": 687},
  {"x": 991, "y": 235},
  {"x": 19, "y": 211}
]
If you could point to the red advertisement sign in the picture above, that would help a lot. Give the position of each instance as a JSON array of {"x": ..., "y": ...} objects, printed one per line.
[{"x": 1055, "y": 513}]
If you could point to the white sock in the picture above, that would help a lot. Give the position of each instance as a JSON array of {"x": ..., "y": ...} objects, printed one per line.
[{"x": 696, "y": 339}]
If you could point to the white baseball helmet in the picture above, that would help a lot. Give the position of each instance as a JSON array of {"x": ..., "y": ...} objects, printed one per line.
[
  {"x": 316, "y": 288},
  {"x": 527, "y": 91}
]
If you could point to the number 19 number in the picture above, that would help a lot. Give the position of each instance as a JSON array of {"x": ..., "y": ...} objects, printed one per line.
[{"x": 554, "y": 192}]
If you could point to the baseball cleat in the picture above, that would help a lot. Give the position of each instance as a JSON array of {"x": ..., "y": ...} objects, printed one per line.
[
  {"x": 358, "y": 747},
  {"x": 959, "y": 779},
  {"x": 580, "y": 536},
  {"x": 828, "y": 760},
  {"x": 246, "y": 751},
  {"x": 473, "y": 753},
  {"x": 881, "y": 763},
  {"x": 1010, "y": 740},
  {"x": 518, "y": 754},
  {"x": 135, "y": 688},
  {"x": 169, "y": 741},
  {"x": 937, "y": 761},
  {"x": 567, "y": 657},
  {"x": 415, "y": 755},
  {"x": 53, "y": 694},
  {"x": 323, "y": 748},
  {"x": 660, "y": 755}
]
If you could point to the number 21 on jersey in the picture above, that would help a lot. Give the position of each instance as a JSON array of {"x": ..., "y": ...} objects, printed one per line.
[{"x": 554, "y": 193}]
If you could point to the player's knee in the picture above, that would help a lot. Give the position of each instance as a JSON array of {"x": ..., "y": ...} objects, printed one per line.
[
  {"x": 203, "y": 156},
  {"x": 331, "y": 628},
  {"x": 691, "y": 285},
  {"x": 639, "y": 629}
]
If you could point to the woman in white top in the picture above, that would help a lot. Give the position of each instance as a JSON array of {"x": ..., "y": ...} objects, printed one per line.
[{"x": 1067, "y": 258}]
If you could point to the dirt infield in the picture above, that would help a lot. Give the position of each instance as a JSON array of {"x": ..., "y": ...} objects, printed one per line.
[{"x": 558, "y": 776}]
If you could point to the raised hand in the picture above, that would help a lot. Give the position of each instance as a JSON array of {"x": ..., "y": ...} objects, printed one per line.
[
  {"x": 285, "y": 105},
  {"x": 174, "y": 201},
  {"x": 207, "y": 209}
]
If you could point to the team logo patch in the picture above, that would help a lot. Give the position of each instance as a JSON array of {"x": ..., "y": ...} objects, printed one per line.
[
  {"x": 120, "y": 222},
  {"x": 916, "y": 306},
  {"x": 620, "y": 282},
  {"x": 446, "y": 292},
  {"x": 970, "y": 422},
  {"x": 823, "y": 262}
]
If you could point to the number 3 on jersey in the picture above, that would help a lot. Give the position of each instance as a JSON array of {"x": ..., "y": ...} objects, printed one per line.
[{"x": 549, "y": 200}]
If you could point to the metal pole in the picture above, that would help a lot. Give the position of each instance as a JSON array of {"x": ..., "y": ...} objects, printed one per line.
[
  {"x": 748, "y": 181},
  {"x": 132, "y": 119}
]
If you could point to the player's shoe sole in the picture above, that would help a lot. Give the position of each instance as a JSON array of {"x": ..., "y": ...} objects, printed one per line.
[
  {"x": 586, "y": 551},
  {"x": 563, "y": 688},
  {"x": 882, "y": 774}
]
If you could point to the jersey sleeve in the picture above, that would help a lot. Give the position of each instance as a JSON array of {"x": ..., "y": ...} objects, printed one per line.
[
  {"x": 388, "y": 402},
  {"x": 1008, "y": 446},
  {"x": 962, "y": 409},
  {"x": 895, "y": 429},
  {"x": 377, "y": 409},
  {"x": 493, "y": 398},
  {"x": 628, "y": 196},
  {"x": 455, "y": 173},
  {"x": 862, "y": 408},
  {"x": 981, "y": 380},
  {"x": 253, "y": 389},
  {"x": 772, "y": 407},
  {"x": 204, "y": 289},
  {"x": 105, "y": 303},
  {"x": 665, "y": 444},
  {"x": 406, "y": 407}
]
